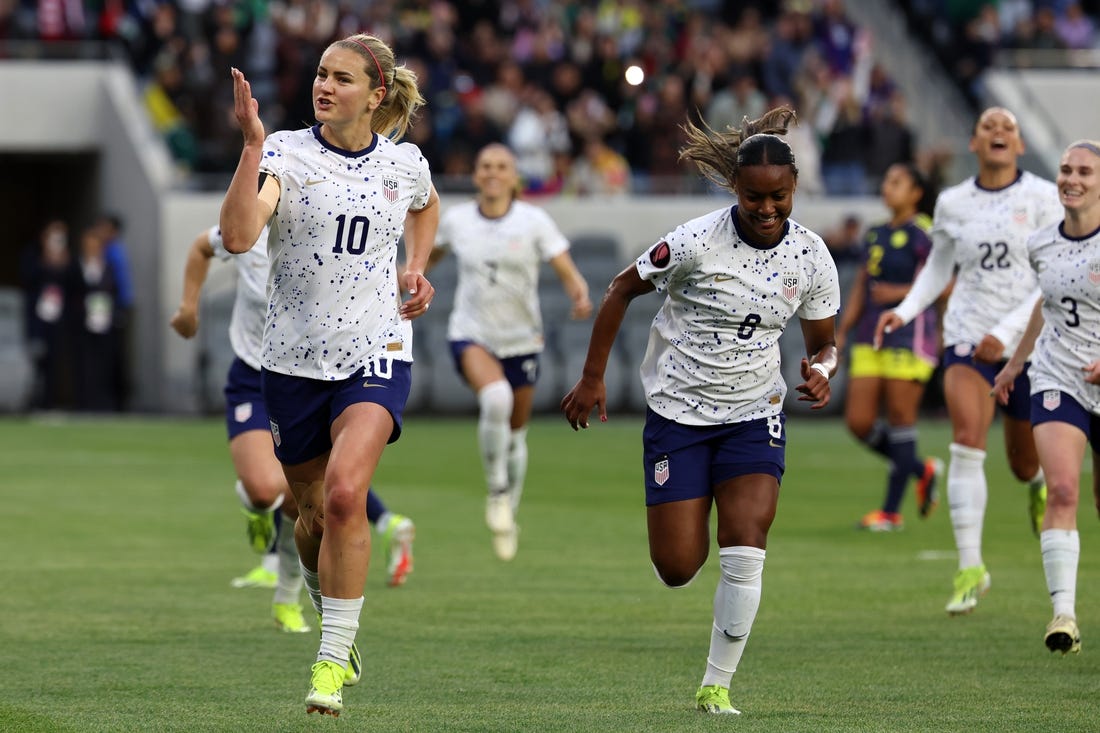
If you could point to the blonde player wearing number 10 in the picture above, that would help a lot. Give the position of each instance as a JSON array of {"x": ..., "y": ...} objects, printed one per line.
[{"x": 337, "y": 346}]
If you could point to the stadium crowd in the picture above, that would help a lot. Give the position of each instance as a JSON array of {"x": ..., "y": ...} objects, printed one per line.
[{"x": 547, "y": 78}]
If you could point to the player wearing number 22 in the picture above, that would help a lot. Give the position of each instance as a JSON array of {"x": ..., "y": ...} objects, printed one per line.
[{"x": 715, "y": 430}]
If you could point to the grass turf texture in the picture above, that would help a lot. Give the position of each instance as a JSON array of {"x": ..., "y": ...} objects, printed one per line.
[{"x": 120, "y": 537}]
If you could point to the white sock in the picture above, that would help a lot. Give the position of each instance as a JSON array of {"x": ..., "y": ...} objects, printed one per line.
[
  {"x": 735, "y": 602},
  {"x": 517, "y": 465},
  {"x": 289, "y": 584},
  {"x": 313, "y": 586},
  {"x": 247, "y": 502},
  {"x": 495, "y": 409},
  {"x": 1061, "y": 549},
  {"x": 383, "y": 521},
  {"x": 339, "y": 622},
  {"x": 1037, "y": 480},
  {"x": 967, "y": 494},
  {"x": 270, "y": 562}
]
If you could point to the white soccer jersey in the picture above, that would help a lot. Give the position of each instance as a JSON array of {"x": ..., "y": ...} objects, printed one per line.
[
  {"x": 246, "y": 325},
  {"x": 713, "y": 354},
  {"x": 497, "y": 300},
  {"x": 333, "y": 287},
  {"x": 985, "y": 234},
  {"x": 1069, "y": 276}
]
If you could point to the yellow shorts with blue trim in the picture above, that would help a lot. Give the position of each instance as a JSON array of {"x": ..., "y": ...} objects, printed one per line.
[{"x": 888, "y": 364}]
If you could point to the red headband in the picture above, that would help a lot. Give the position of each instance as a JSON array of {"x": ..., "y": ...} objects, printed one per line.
[{"x": 381, "y": 76}]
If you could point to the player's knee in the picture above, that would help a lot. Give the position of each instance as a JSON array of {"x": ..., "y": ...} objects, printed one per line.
[
  {"x": 259, "y": 493},
  {"x": 495, "y": 400},
  {"x": 676, "y": 575}
]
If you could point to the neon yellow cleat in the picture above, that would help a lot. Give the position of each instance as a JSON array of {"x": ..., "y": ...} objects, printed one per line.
[
  {"x": 1037, "y": 506},
  {"x": 715, "y": 699},
  {"x": 261, "y": 529},
  {"x": 324, "y": 695},
  {"x": 354, "y": 671},
  {"x": 288, "y": 618},
  {"x": 257, "y": 577},
  {"x": 970, "y": 584}
]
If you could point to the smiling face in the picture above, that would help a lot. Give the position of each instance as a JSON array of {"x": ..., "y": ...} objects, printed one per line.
[
  {"x": 996, "y": 139},
  {"x": 1079, "y": 180},
  {"x": 495, "y": 174},
  {"x": 765, "y": 197},
  {"x": 342, "y": 89}
]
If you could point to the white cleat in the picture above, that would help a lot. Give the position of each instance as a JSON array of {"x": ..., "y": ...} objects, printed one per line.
[{"x": 502, "y": 523}]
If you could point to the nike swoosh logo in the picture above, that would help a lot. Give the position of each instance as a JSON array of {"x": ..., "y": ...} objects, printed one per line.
[
  {"x": 314, "y": 183},
  {"x": 731, "y": 637},
  {"x": 773, "y": 444},
  {"x": 368, "y": 385},
  {"x": 722, "y": 278}
]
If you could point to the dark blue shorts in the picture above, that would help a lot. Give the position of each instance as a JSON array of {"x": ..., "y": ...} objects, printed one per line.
[
  {"x": 687, "y": 461},
  {"x": 301, "y": 411},
  {"x": 1019, "y": 404},
  {"x": 1053, "y": 405},
  {"x": 244, "y": 401},
  {"x": 520, "y": 371}
]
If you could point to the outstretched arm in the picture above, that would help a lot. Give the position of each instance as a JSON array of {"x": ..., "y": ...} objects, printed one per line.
[
  {"x": 575, "y": 286},
  {"x": 590, "y": 390},
  {"x": 185, "y": 322}
]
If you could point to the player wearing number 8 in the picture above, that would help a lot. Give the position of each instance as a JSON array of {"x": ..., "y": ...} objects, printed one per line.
[
  {"x": 337, "y": 346},
  {"x": 714, "y": 431}
]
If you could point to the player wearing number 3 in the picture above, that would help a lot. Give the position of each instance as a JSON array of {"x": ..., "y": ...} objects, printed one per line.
[
  {"x": 714, "y": 431},
  {"x": 337, "y": 346}
]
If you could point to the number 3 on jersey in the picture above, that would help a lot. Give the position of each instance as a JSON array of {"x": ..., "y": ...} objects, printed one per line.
[{"x": 355, "y": 234}]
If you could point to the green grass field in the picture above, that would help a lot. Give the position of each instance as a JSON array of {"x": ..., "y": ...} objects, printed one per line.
[{"x": 119, "y": 539}]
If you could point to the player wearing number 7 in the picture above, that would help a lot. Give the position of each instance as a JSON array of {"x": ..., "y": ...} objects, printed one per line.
[
  {"x": 714, "y": 431},
  {"x": 979, "y": 232}
]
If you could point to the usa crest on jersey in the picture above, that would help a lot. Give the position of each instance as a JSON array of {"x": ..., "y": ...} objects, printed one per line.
[
  {"x": 1094, "y": 272},
  {"x": 389, "y": 188},
  {"x": 790, "y": 286}
]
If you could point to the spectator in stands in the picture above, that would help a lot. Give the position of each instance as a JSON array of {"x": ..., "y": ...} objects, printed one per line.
[
  {"x": 98, "y": 345},
  {"x": 1074, "y": 28},
  {"x": 890, "y": 139},
  {"x": 109, "y": 228},
  {"x": 843, "y": 161},
  {"x": 741, "y": 98},
  {"x": 495, "y": 329},
  {"x": 51, "y": 289},
  {"x": 714, "y": 433},
  {"x": 539, "y": 135}
]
